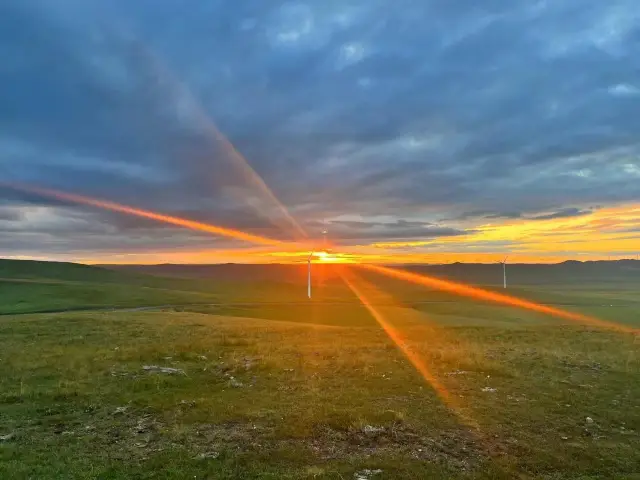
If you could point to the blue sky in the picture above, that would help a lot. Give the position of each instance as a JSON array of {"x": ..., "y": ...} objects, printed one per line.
[{"x": 391, "y": 121}]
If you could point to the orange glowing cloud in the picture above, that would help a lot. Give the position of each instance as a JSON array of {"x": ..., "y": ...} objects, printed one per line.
[{"x": 594, "y": 234}]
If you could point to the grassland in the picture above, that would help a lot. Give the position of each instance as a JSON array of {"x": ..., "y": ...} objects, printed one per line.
[{"x": 314, "y": 390}]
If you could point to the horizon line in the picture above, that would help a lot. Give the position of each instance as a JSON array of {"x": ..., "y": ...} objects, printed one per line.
[{"x": 400, "y": 264}]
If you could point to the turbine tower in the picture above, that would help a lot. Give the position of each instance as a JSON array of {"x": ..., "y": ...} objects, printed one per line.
[
  {"x": 324, "y": 247},
  {"x": 504, "y": 272},
  {"x": 309, "y": 275}
]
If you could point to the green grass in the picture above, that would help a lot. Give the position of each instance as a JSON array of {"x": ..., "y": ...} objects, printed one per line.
[
  {"x": 49, "y": 287},
  {"x": 310, "y": 390},
  {"x": 17, "y": 297},
  {"x": 302, "y": 395}
]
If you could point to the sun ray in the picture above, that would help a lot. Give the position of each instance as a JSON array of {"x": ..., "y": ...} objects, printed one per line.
[
  {"x": 183, "y": 95},
  {"x": 493, "y": 297},
  {"x": 360, "y": 288},
  {"x": 148, "y": 214}
]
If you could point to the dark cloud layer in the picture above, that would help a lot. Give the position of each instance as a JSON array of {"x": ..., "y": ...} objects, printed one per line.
[
  {"x": 509, "y": 215},
  {"x": 397, "y": 230},
  {"x": 412, "y": 118}
]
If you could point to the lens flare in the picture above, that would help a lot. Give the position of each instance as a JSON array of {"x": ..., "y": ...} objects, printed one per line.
[
  {"x": 248, "y": 172},
  {"x": 486, "y": 295},
  {"x": 180, "y": 93},
  {"x": 358, "y": 286},
  {"x": 138, "y": 212}
]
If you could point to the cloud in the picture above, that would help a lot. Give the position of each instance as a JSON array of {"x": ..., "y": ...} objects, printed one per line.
[
  {"x": 624, "y": 90},
  {"x": 564, "y": 213},
  {"x": 438, "y": 113},
  {"x": 8, "y": 214},
  {"x": 504, "y": 215},
  {"x": 360, "y": 231},
  {"x": 510, "y": 215}
]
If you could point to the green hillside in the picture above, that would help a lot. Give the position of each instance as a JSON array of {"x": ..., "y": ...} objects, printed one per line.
[
  {"x": 30, "y": 286},
  {"x": 37, "y": 287},
  {"x": 27, "y": 269}
]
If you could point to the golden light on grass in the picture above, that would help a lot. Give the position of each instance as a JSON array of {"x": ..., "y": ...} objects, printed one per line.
[
  {"x": 493, "y": 297},
  {"x": 365, "y": 291}
]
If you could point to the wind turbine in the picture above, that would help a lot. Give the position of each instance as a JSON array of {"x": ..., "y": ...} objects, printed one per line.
[
  {"x": 309, "y": 274},
  {"x": 324, "y": 246},
  {"x": 504, "y": 271}
]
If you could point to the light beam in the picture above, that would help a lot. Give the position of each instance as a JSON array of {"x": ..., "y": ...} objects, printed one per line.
[
  {"x": 402, "y": 342},
  {"x": 183, "y": 96},
  {"x": 148, "y": 214},
  {"x": 486, "y": 295}
]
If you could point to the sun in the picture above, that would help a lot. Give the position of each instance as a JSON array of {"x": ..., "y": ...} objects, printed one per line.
[
  {"x": 328, "y": 257},
  {"x": 323, "y": 256}
]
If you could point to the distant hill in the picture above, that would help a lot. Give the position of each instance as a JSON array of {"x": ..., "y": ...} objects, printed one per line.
[
  {"x": 32, "y": 286},
  {"x": 42, "y": 271},
  {"x": 569, "y": 272},
  {"x": 37, "y": 270},
  {"x": 228, "y": 271},
  {"x": 191, "y": 277}
]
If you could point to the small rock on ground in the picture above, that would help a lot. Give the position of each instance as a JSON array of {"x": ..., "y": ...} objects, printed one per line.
[
  {"x": 208, "y": 455},
  {"x": 366, "y": 474},
  {"x": 235, "y": 383},
  {"x": 168, "y": 370},
  {"x": 370, "y": 429}
]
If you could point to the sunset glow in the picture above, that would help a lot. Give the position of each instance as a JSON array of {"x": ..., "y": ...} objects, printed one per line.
[
  {"x": 333, "y": 257},
  {"x": 603, "y": 234},
  {"x": 439, "y": 166},
  {"x": 600, "y": 234}
]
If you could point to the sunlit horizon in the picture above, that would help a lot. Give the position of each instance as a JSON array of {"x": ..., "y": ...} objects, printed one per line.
[
  {"x": 602, "y": 234},
  {"x": 299, "y": 258}
]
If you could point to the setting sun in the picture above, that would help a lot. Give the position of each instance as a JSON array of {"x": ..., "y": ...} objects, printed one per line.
[
  {"x": 329, "y": 257},
  {"x": 325, "y": 256}
]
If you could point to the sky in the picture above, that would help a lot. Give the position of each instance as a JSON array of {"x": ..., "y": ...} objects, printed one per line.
[{"x": 411, "y": 131}]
